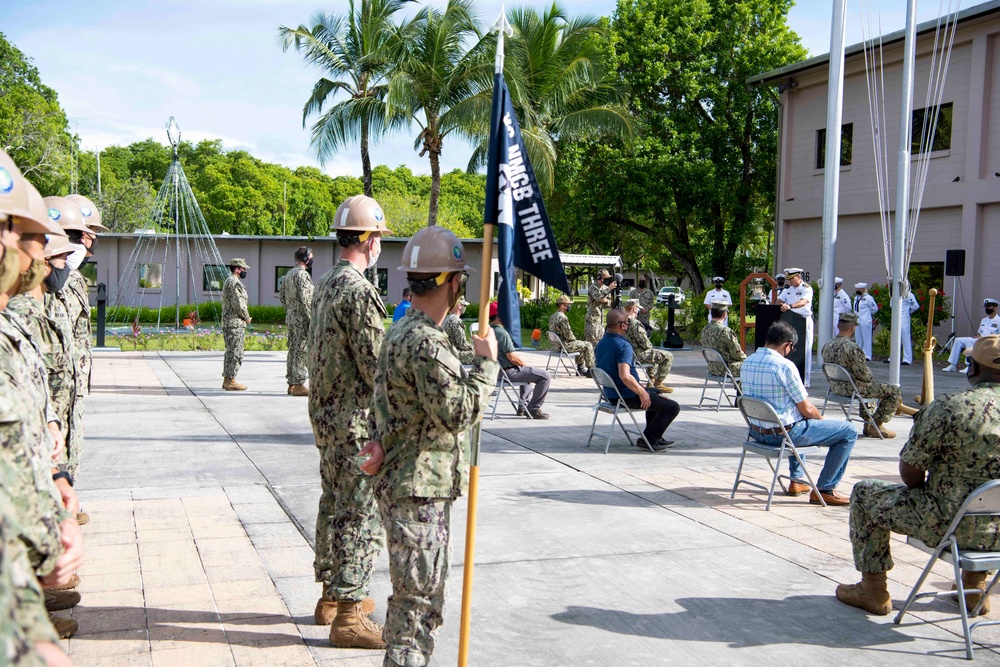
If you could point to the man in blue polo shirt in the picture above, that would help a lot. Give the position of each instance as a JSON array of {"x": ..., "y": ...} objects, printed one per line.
[
  {"x": 614, "y": 356},
  {"x": 769, "y": 376},
  {"x": 403, "y": 306}
]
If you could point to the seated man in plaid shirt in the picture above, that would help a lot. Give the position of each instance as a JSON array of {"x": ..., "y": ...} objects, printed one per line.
[{"x": 769, "y": 376}]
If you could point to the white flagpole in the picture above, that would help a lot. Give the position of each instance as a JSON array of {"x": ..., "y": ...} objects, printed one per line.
[
  {"x": 831, "y": 177},
  {"x": 902, "y": 195},
  {"x": 502, "y": 28}
]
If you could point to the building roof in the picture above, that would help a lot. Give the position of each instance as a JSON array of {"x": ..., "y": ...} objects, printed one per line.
[{"x": 775, "y": 75}]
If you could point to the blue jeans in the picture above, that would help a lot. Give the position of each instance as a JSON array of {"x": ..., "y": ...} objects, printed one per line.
[{"x": 839, "y": 436}]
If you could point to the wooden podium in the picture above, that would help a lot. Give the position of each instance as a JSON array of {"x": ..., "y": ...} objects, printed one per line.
[{"x": 768, "y": 315}]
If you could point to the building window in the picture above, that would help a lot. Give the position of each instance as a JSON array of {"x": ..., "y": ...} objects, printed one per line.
[
  {"x": 213, "y": 277},
  {"x": 922, "y": 126},
  {"x": 279, "y": 276},
  {"x": 846, "y": 146},
  {"x": 383, "y": 282},
  {"x": 89, "y": 273},
  {"x": 150, "y": 276}
]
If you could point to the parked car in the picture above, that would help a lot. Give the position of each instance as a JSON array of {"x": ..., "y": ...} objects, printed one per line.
[{"x": 665, "y": 293}]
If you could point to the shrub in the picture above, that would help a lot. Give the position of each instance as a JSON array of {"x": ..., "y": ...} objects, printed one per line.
[
  {"x": 267, "y": 314},
  {"x": 472, "y": 311},
  {"x": 535, "y": 314}
]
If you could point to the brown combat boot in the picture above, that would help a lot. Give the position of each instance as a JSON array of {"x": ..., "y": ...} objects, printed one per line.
[
  {"x": 352, "y": 629},
  {"x": 73, "y": 583},
  {"x": 326, "y": 609},
  {"x": 870, "y": 594},
  {"x": 881, "y": 431},
  {"x": 974, "y": 580},
  {"x": 82, "y": 518},
  {"x": 662, "y": 387},
  {"x": 230, "y": 384},
  {"x": 59, "y": 600},
  {"x": 298, "y": 390},
  {"x": 65, "y": 627}
]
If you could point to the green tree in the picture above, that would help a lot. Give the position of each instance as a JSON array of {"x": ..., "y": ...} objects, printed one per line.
[
  {"x": 33, "y": 127},
  {"x": 435, "y": 80},
  {"x": 356, "y": 51},
  {"x": 710, "y": 137},
  {"x": 563, "y": 85}
]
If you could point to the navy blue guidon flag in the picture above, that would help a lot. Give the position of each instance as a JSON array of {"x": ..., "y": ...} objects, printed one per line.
[{"x": 514, "y": 204}]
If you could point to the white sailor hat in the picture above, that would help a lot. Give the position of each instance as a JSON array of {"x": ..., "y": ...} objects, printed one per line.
[
  {"x": 860, "y": 285},
  {"x": 718, "y": 279},
  {"x": 780, "y": 275},
  {"x": 793, "y": 271},
  {"x": 987, "y": 302},
  {"x": 838, "y": 280}
]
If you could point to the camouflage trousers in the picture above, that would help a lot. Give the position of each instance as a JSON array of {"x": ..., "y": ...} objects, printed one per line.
[
  {"x": 888, "y": 399},
  {"x": 349, "y": 535},
  {"x": 23, "y": 619},
  {"x": 296, "y": 371},
  {"x": 74, "y": 439},
  {"x": 878, "y": 508},
  {"x": 585, "y": 351},
  {"x": 662, "y": 362},
  {"x": 417, "y": 531},
  {"x": 233, "y": 336},
  {"x": 593, "y": 330}
]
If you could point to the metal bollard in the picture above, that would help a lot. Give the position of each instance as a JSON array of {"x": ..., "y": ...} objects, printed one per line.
[{"x": 102, "y": 301}]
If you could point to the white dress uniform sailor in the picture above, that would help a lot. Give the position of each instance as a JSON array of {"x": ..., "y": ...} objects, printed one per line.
[
  {"x": 865, "y": 307},
  {"x": 841, "y": 304},
  {"x": 793, "y": 294},
  {"x": 718, "y": 294},
  {"x": 990, "y": 326}
]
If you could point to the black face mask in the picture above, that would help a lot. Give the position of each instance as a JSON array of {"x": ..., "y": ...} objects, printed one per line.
[
  {"x": 859, "y": 292},
  {"x": 990, "y": 311},
  {"x": 242, "y": 274},
  {"x": 56, "y": 280},
  {"x": 309, "y": 264},
  {"x": 718, "y": 285}
]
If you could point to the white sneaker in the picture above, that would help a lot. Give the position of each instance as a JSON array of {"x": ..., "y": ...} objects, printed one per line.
[
  {"x": 950, "y": 368},
  {"x": 965, "y": 370}
]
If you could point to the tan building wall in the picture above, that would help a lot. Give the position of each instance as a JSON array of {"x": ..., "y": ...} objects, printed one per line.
[{"x": 956, "y": 214}]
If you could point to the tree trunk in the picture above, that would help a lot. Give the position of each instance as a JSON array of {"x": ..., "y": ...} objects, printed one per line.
[
  {"x": 366, "y": 160},
  {"x": 432, "y": 215}
]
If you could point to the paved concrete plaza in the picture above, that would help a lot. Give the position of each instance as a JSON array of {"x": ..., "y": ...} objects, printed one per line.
[{"x": 203, "y": 505}]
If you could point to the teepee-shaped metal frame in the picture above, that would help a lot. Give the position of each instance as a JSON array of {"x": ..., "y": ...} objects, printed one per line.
[{"x": 175, "y": 220}]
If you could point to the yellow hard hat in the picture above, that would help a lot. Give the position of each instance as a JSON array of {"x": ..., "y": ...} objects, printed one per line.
[
  {"x": 91, "y": 216},
  {"x": 434, "y": 250},
  {"x": 66, "y": 214},
  {"x": 359, "y": 214}
]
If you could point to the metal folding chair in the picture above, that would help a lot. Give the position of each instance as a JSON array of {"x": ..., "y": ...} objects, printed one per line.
[
  {"x": 754, "y": 408},
  {"x": 561, "y": 356},
  {"x": 713, "y": 356},
  {"x": 614, "y": 408},
  {"x": 835, "y": 372},
  {"x": 512, "y": 392},
  {"x": 984, "y": 501}
]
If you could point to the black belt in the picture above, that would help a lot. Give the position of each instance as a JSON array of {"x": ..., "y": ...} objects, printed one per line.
[{"x": 771, "y": 431}]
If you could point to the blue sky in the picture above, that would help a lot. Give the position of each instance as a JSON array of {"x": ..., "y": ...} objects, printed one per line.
[{"x": 121, "y": 68}]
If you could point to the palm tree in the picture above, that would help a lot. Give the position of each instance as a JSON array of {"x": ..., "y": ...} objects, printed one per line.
[
  {"x": 434, "y": 78},
  {"x": 355, "y": 50},
  {"x": 562, "y": 87}
]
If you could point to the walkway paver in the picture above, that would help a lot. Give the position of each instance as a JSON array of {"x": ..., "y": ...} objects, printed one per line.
[{"x": 204, "y": 502}]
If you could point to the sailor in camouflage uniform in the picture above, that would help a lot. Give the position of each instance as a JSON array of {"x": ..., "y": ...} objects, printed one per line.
[
  {"x": 344, "y": 341},
  {"x": 235, "y": 318},
  {"x": 598, "y": 299},
  {"x": 456, "y": 332},
  {"x": 425, "y": 405},
  {"x": 29, "y": 428},
  {"x": 646, "y": 300},
  {"x": 296, "y": 296},
  {"x": 559, "y": 325},
  {"x": 954, "y": 448},
  {"x": 645, "y": 353},
  {"x": 48, "y": 323},
  {"x": 719, "y": 337},
  {"x": 845, "y": 352}
]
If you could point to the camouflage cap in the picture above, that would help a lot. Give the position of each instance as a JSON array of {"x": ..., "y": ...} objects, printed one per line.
[
  {"x": 986, "y": 352},
  {"x": 562, "y": 298},
  {"x": 633, "y": 303},
  {"x": 240, "y": 262},
  {"x": 720, "y": 305},
  {"x": 849, "y": 318}
]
